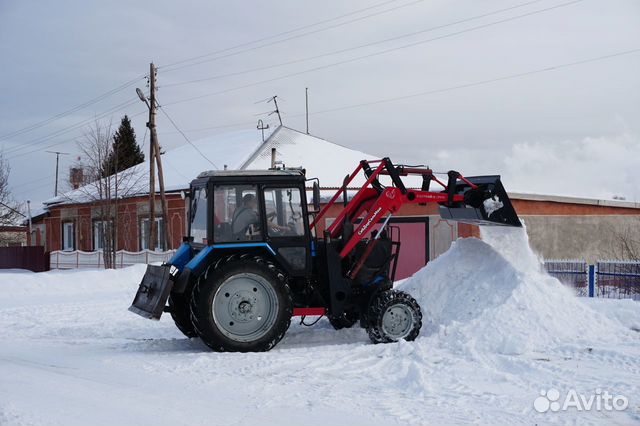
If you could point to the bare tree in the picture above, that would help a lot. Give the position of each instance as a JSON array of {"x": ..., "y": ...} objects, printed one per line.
[
  {"x": 626, "y": 240},
  {"x": 102, "y": 189},
  {"x": 10, "y": 213}
]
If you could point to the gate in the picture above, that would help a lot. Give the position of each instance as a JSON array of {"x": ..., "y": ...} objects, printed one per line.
[{"x": 33, "y": 258}]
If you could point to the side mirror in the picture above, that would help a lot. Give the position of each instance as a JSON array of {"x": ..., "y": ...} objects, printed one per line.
[
  {"x": 185, "y": 194},
  {"x": 316, "y": 196}
]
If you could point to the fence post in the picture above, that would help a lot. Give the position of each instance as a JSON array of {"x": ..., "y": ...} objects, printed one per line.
[{"x": 592, "y": 280}]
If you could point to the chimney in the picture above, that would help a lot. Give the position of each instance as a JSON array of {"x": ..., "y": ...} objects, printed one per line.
[
  {"x": 76, "y": 177},
  {"x": 273, "y": 158}
]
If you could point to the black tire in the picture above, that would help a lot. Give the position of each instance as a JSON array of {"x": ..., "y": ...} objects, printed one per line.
[
  {"x": 253, "y": 306},
  {"x": 180, "y": 309},
  {"x": 346, "y": 320},
  {"x": 403, "y": 318}
]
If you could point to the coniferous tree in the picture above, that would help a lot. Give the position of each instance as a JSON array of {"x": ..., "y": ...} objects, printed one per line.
[{"x": 125, "y": 150}]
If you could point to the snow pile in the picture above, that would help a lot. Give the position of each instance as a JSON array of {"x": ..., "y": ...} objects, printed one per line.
[{"x": 494, "y": 296}]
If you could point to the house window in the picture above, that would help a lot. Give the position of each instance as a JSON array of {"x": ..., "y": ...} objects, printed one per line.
[
  {"x": 101, "y": 233},
  {"x": 144, "y": 233},
  {"x": 68, "y": 236}
]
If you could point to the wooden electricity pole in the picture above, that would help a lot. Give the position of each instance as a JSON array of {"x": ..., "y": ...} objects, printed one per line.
[
  {"x": 152, "y": 156},
  {"x": 157, "y": 160},
  {"x": 163, "y": 198}
]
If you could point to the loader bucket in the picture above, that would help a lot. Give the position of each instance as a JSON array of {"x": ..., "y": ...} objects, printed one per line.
[
  {"x": 153, "y": 292},
  {"x": 488, "y": 204}
]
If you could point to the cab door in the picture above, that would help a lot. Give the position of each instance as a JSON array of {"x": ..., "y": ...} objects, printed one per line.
[{"x": 286, "y": 226}]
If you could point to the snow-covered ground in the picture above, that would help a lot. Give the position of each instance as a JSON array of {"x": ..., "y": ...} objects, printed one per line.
[{"x": 497, "y": 331}]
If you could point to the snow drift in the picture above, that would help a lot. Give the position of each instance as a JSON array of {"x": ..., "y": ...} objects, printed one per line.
[{"x": 493, "y": 295}]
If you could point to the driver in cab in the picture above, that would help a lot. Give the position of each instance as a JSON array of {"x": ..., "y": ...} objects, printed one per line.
[{"x": 247, "y": 219}]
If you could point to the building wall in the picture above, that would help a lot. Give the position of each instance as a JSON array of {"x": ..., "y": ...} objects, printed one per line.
[
  {"x": 590, "y": 238},
  {"x": 130, "y": 213},
  {"x": 560, "y": 230}
]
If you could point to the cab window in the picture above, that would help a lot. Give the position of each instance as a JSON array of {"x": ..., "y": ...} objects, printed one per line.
[
  {"x": 236, "y": 213},
  {"x": 283, "y": 207},
  {"x": 198, "y": 215}
]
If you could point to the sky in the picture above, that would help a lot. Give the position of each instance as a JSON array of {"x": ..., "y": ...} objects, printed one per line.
[{"x": 545, "y": 93}]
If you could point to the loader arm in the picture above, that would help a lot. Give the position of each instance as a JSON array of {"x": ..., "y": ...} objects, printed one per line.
[{"x": 476, "y": 200}]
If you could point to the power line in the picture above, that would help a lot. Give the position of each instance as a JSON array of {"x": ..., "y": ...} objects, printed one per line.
[
  {"x": 361, "y": 46},
  {"x": 222, "y": 126},
  {"x": 20, "y": 185},
  {"x": 133, "y": 81},
  {"x": 445, "y": 89},
  {"x": 373, "y": 54},
  {"x": 476, "y": 83},
  {"x": 12, "y": 209},
  {"x": 168, "y": 67},
  {"x": 184, "y": 135},
  {"x": 59, "y": 142},
  {"x": 71, "y": 111},
  {"x": 66, "y": 130},
  {"x": 144, "y": 138}
]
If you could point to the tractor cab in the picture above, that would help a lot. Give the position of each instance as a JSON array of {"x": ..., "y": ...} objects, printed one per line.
[{"x": 264, "y": 210}]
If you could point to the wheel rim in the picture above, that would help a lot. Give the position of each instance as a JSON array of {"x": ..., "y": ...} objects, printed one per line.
[
  {"x": 397, "y": 321},
  {"x": 245, "y": 307}
]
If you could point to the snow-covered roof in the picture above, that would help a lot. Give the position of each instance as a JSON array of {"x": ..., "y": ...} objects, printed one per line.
[
  {"x": 242, "y": 150},
  {"x": 180, "y": 165},
  {"x": 327, "y": 161},
  {"x": 574, "y": 200}
]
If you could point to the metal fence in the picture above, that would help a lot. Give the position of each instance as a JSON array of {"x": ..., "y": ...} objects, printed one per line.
[
  {"x": 33, "y": 258},
  {"x": 610, "y": 279},
  {"x": 573, "y": 273},
  {"x": 78, "y": 259},
  {"x": 618, "y": 280}
]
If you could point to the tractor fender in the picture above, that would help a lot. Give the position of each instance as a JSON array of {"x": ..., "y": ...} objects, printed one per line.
[
  {"x": 192, "y": 269},
  {"x": 208, "y": 257}
]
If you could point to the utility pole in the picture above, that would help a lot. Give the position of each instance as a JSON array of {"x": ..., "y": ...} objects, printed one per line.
[
  {"x": 152, "y": 156},
  {"x": 155, "y": 158},
  {"x": 57, "y": 153},
  {"x": 163, "y": 198},
  {"x": 31, "y": 243},
  {"x": 306, "y": 104}
]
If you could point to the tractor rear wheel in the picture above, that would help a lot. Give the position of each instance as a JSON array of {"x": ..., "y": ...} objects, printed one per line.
[
  {"x": 181, "y": 313},
  {"x": 392, "y": 316},
  {"x": 244, "y": 305}
]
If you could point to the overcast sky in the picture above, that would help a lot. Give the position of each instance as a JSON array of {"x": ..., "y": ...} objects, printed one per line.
[{"x": 574, "y": 130}]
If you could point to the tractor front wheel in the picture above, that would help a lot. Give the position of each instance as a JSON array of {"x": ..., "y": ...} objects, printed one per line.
[
  {"x": 392, "y": 316},
  {"x": 181, "y": 313},
  {"x": 242, "y": 306}
]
